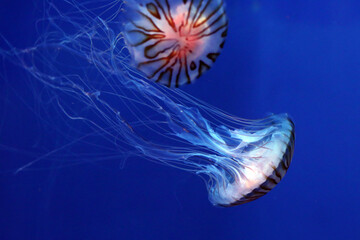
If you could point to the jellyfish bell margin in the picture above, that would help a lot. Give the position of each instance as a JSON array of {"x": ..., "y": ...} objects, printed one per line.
[{"x": 174, "y": 42}]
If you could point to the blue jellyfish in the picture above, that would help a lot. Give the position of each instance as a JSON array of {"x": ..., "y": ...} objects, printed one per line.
[{"x": 109, "y": 57}]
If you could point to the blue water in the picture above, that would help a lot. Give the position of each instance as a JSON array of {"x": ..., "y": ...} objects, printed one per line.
[{"x": 298, "y": 57}]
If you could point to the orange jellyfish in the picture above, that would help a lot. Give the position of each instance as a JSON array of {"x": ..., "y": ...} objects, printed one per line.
[{"x": 174, "y": 42}]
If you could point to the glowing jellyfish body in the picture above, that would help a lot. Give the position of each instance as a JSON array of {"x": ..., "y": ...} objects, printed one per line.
[
  {"x": 175, "y": 41},
  {"x": 259, "y": 161},
  {"x": 239, "y": 159}
]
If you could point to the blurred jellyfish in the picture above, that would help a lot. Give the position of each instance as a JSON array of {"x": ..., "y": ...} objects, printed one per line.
[{"x": 85, "y": 59}]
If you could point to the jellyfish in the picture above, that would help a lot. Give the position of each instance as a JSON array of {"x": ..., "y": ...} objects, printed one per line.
[
  {"x": 175, "y": 42},
  {"x": 85, "y": 57}
]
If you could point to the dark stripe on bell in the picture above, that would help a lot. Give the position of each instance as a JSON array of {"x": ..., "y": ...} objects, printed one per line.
[
  {"x": 274, "y": 178},
  {"x": 277, "y": 173},
  {"x": 187, "y": 71},
  {"x": 192, "y": 66},
  {"x": 178, "y": 74},
  {"x": 213, "y": 56},
  {"x": 153, "y": 10},
  {"x": 165, "y": 77},
  {"x": 203, "y": 67},
  {"x": 222, "y": 44}
]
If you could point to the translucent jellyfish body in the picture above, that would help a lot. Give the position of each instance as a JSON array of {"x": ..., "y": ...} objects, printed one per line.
[
  {"x": 175, "y": 41},
  {"x": 258, "y": 160},
  {"x": 240, "y": 160}
]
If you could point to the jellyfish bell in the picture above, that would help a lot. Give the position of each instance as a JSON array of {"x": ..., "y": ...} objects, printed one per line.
[
  {"x": 256, "y": 164},
  {"x": 174, "y": 42}
]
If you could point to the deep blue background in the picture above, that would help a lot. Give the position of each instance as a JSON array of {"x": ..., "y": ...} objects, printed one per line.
[{"x": 300, "y": 57}]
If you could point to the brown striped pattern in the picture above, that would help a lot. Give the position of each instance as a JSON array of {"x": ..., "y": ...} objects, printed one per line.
[{"x": 175, "y": 42}]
